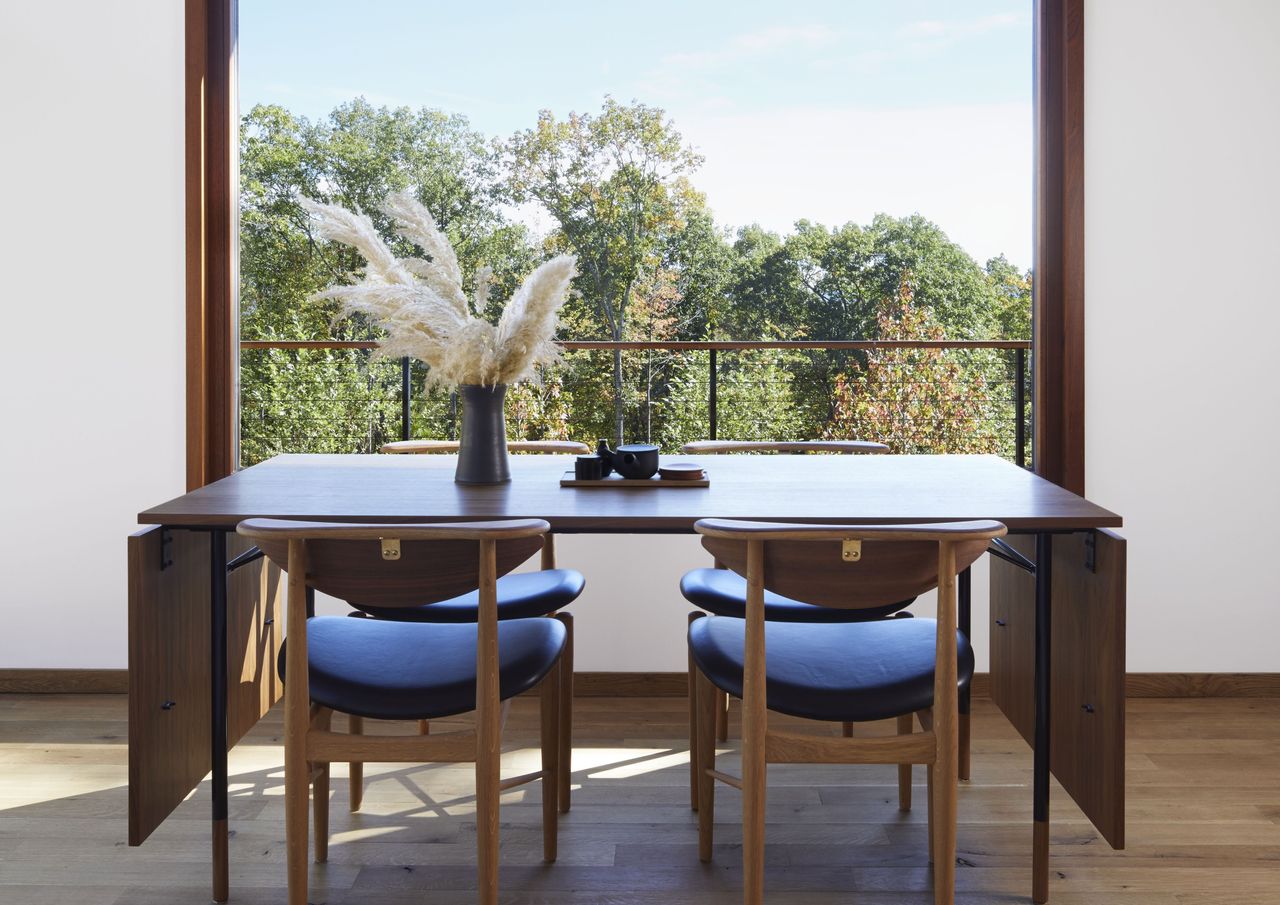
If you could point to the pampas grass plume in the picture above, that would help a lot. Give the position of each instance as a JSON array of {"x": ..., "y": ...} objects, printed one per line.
[{"x": 421, "y": 306}]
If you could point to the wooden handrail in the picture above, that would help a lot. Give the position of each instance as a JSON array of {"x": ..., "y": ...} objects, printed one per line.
[{"x": 692, "y": 346}]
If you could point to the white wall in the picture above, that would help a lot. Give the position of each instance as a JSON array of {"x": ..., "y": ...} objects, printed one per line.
[
  {"x": 1182, "y": 197},
  {"x": 91, "y": 264},
  {"x": 1182, "y": 202}
]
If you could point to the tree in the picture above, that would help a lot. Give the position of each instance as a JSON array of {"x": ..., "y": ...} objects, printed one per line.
[
  {"x": 916, "y": 400},
  {"x": 828, "y": 283},
  {"x": 345, "y": 400},
  {"x": 1012, "y": 288},
  {"x": 610, "y": 182}
]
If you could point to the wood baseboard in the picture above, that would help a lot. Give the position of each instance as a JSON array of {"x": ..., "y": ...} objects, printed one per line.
[
  {"x": 672, "y": 684},
  {"x": 1137, "y": 684},
  {"x": 630, "y": 684},
  {"x": 64, "y": 681},
  {"x": 1202, "y": 685}
]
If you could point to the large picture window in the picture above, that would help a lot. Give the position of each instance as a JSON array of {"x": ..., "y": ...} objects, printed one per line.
[{"x": 817, "y": 223}]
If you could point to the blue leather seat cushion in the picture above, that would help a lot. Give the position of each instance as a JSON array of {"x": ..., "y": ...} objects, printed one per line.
[
  {"x": 852, "y": 672},
  {"x": 724, "y": 593},
  {"x": 520, "y": 596},
  {"x": 416, "y": 671}
]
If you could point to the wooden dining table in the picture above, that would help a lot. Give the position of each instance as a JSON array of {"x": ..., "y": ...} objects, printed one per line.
[{"x": 206, "y": 619}]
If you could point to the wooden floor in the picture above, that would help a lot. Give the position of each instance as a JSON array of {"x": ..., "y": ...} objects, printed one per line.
[{"x": 1203, "y": 819}]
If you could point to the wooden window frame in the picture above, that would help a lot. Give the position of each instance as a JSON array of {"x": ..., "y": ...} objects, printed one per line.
[
  {"x": 211, "y": 242},
  {"x": 1058, "y": 305},
  {"x": 211, "y": 218}
]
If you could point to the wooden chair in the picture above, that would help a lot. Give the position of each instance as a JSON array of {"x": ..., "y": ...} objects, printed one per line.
[
  {"x": 842, "y": 447},
  {"x": 726, "y": 595},
  {"x": 543, "y": 593},
  {"x": 854, "y": 671},
  {"x": 521, "y": 595},
  {"x": 383, "y": 670},
  {"x": 445, "y": 447}
]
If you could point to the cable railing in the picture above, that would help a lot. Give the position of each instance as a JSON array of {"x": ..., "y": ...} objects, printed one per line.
[{"x": 915, "y": 395}]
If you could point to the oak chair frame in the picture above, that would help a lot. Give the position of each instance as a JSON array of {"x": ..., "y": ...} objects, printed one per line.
[
  {"x": 311, "y": 745},
  {"x": 935, "y": 746},
  {"x": 355, "y": 724},
  {"x": 794, "y": 447},
  {"x": 544, "y": 447}
]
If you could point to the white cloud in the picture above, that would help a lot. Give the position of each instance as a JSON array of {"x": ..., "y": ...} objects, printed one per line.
[
  {"x": 966, "y": 168},
  {"x": 936, "y": 33},
  {"x": 754, "y": 44}
]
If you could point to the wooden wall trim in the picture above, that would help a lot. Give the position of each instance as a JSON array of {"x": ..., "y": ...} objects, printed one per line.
[
  {"x": 64, "y": 681},
  {"x": 672, "y": 684},
  {"x": 1058, "y": 321},
  {"x": 211, "y": 131}
]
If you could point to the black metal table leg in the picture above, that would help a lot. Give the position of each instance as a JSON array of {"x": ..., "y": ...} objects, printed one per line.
[
  {"x": 965, "y": 610},
  {"x": 218, "y": 709},
  {"x": 1040, "y": 774}
]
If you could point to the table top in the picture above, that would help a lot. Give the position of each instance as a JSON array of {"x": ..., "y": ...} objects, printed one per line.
[{"x": 831, "y": 489}]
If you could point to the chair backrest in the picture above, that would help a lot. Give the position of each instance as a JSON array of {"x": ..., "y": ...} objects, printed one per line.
[
  {"x": 841, "y": 447},
  {"x": 445, "y": 447},
  {"x": 846, "y": 566},
  {"x": 398, "y": 565}
]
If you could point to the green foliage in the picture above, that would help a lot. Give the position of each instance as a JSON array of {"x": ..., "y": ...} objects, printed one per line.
[
  {"x": 654, "y": 265},
  {"x": 613, "y": 183},
  {"x": 917, "y": 400},
  {"x": 343, "y": 401}
]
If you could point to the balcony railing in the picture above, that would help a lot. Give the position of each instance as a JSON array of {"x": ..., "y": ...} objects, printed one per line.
[{"x": 355, "y": 403}]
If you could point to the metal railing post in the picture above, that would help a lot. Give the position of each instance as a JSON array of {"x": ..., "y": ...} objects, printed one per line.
[
  {"x": 406, "y": 425},
  {"x": 1020, "y": 408},
  {"x": 711, "y": 398}
]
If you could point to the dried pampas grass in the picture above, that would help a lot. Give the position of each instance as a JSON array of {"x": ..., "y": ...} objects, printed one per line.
[{"x": 423, "y": 309}]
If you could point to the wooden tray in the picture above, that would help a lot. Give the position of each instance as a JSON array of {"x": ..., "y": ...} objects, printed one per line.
[{"x": 568, "y": 480}]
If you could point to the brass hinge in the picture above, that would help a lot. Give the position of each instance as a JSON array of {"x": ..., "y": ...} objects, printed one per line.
[
  {"x": 851, "y": 549},
  {"x": 390, "y": 547}
]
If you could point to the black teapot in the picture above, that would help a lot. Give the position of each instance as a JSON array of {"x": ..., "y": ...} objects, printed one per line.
[{"x": 638, "y": 461}]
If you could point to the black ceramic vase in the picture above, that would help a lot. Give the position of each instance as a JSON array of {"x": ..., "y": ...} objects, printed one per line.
[{"x": 482, "y": 453}]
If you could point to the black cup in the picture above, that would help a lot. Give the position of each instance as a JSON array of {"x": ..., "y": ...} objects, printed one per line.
[{"x": 588, "y": 468}]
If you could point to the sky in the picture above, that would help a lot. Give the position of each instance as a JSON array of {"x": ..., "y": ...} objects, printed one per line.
[{"x": 826, "y": 110}]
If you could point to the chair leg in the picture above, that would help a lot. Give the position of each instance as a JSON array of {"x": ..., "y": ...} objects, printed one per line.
[
  {"x": 754, "y": 769},
  {"x": 566, "y": 714},
  {"x": 693, "y": 726},
  {"x": 706, "y": 749},
  {"x": 297, "y": 783},
  {"x": 424, "y": 727},
  {"x": 320, "y": 812},
  {"x": 846, "y": 729},
  {"x": 926, "y": 723},
  {"x": 944, "y": 819},
  {"x": 550, "y": 739},
  {"x": 722, "y": 716},
  {"x": 488, "y": 778},
  {"x": 929, "y": 794},
  {"x": 320, "y": 793},
  {"x": 355, "y": 726},
  {"x": 905, "y": 725}
]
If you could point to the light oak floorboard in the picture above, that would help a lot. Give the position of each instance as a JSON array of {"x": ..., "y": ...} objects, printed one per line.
[{"x": 1203, "y": 818}]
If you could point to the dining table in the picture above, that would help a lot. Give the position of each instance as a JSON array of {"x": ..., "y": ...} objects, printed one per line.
[{"x": 206, "y": 607}]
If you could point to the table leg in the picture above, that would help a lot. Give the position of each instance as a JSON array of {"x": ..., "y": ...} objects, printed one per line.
[
  {"x": 964, "y": 623},
  {"x": 1040, "y": 775},
  {"x": 218, "y": 708}
]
